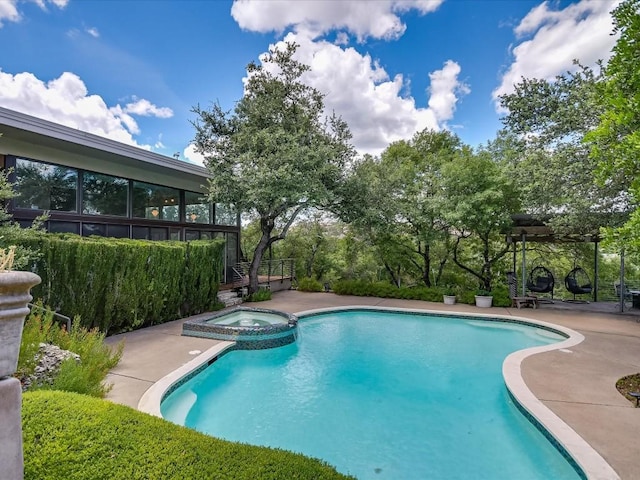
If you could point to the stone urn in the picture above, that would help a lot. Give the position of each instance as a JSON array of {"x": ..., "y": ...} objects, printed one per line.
[{"x": 15, "y": 288}]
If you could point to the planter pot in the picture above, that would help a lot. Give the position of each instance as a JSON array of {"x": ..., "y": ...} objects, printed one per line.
[
  {"x": 449, "y": 299},
  {"x": 14, "y": 297},
  {"x": 483, "y": 301}
]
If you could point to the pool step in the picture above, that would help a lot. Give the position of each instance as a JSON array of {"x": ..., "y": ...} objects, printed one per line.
[{"x": 229, "y": 298}]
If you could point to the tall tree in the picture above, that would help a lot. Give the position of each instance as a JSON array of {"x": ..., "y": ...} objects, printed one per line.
[
  {"x": 478, "y": 199},
  {"x": 275, "y": 154},
  {"x": 616, "y": 140},
  {"x": 399, "y": 210},
  {"x": 543, "y": 142}
]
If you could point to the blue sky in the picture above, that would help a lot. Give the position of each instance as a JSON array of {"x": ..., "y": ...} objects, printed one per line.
[{"x": 132, "y": 70}]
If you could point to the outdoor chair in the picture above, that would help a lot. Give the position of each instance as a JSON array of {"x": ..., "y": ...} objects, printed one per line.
[
  {"x": 541, "y": 280},
  {"x": 577, "y": 282}
]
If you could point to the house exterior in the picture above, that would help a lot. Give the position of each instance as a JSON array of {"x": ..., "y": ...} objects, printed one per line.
[{"x": 91, "y": 185}]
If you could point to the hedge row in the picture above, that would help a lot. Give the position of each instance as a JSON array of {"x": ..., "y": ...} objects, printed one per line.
[
  {"x": 434, "y": 294},
  {"x": 76, "y": 437},
  {"x": 120, "y": 284}
]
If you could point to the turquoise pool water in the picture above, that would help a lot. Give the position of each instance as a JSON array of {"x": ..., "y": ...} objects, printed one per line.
[{"x": 381, "y": 396}]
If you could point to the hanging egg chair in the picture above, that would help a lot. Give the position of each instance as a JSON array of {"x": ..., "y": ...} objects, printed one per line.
[
  {"x": 541, "y": 280},
  {"x": 577, "y": 282}
]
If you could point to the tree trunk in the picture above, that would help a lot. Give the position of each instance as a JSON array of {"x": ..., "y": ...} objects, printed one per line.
[
  {"x": 426, "y": 268},
  {"x": 267, "y": 224},
  {"x": 395, "y": 278},
  {"x": 258, "y": 253}
]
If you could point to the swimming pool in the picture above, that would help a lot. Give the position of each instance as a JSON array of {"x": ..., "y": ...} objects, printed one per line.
[{"x": 380, "y": 395}]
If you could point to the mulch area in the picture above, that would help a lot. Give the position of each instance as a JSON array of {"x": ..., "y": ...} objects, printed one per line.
[{"x": 629, "y": 384}]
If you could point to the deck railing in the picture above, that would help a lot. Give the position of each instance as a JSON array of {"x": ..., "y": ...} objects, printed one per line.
[{"x": 268, "y": 271}]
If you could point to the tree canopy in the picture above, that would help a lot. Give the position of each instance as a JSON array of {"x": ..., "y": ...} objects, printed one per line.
[
  {"x": 615, "y": 143},
  {"x": 276, "y": 154},
  {"x": 543, "y": 143}
]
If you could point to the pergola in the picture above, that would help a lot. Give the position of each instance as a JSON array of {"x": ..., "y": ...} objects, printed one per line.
[{"x": 529, "y": 228}]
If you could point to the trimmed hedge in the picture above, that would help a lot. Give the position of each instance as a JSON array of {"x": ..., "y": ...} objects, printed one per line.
[
  {"x": 118, "y": 285},
  {"x": 363, "y": 288},
  {"x": 75, "y": 437}
]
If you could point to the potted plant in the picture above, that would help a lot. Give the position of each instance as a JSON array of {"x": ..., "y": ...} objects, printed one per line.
[
  {"x": 15, "y": 295},
  {"x": 484, "y": 299},
  {"x": 449, "y": 295}
]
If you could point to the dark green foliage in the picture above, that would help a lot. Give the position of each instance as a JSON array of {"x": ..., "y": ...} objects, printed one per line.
[
  {"x": 262, "y": 295},
  {"x": 119, "y": 284},
  {"x": 468, "y": 297},
  {"x": 309, "y": 285},
  {"x": 75, "y": 437},
  {"x": 386, "y": 290},
  {"x": 361, "y": 288},
  {"x": 202, "y": 274},
  {"x": 501, "y": 297},
  {"x": 96, "y": 358}
]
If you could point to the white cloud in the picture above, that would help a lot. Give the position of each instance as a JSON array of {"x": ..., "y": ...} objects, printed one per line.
[
  {"x": 65, "y": 100},
  {"x": 9, "y": 8},
  {"x": 445, "y": 88},
  {"x": 557, "y": 37},
  {"x": 9, "y": 11},
  {"x": 93, "y": 31},
  {"x": 59, "y": 3},
  {"x": 192, "y": 156},
  {"x": 145, "y": 108},
  {"x": 359, "y": 90},
  {"x": 377, "y": 19},
  {"x": 43, "y": 3}
]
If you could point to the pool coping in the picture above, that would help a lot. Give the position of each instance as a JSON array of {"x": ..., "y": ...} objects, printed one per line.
[
  {"x": 583, "y": 455},
  {"x": 152, "y": 398}
]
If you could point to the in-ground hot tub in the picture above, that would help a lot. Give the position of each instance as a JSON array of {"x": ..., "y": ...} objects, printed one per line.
[{"x": 250, "y": 328}]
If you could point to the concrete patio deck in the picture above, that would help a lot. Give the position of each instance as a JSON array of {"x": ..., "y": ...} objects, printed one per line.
[{"x": 577, "y": 385}]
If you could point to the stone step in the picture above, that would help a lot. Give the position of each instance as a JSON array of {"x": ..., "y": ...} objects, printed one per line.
[{"x": 229, "y": 298}]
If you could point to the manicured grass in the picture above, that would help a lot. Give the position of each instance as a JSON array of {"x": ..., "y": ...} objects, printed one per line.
[{"x": 71, "y": 436}]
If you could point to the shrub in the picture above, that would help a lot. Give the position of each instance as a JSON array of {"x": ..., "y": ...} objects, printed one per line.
[
  {"x": 386, "y": 290},
  {"x": 262, "y": 295},
  {"x": 467, "y": 296},
  {"x": 309, "y": 285},
  {"x": 96, "y": 358},
  {"x": 501, "y": 296},
  {"x": 76, "y": 437}
]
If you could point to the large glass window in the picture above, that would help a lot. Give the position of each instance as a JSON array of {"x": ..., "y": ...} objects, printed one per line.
[
  {"x": 174, "y": 234},
  {"x": 89, "y": 229},
  {"x": 64, "y": 227},
  {"x": 197, "y": 208},
  {"x": 191, "y": 235},
  {"x": 155, "y": 202},
  {"x": 141, "y": 233},
  {"x": 119, "y": 231},
  {"x": 45, "y": 187},
  {"x": 158, "y": 233},
  {"x": 226, "y": 215},
  {"x": 104, "y": 194}
]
